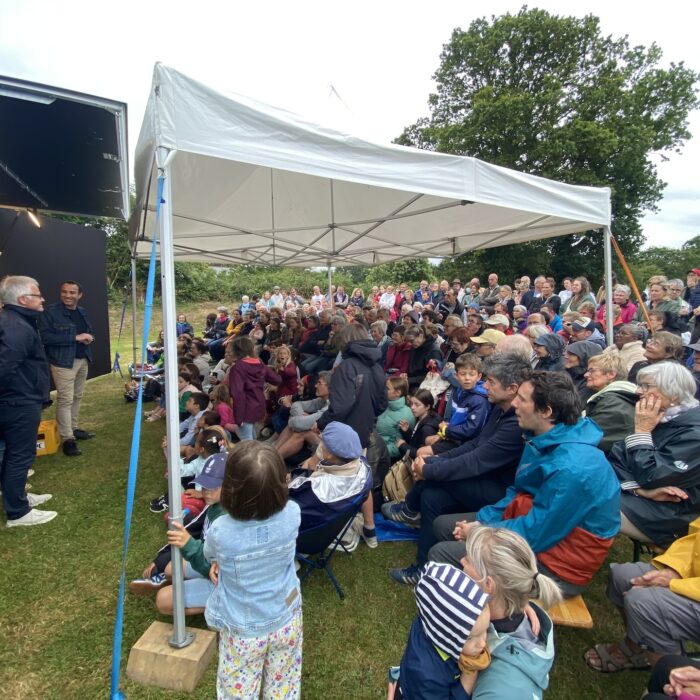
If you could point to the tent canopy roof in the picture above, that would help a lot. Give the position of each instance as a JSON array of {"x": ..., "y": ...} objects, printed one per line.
[{"x": 257, "y": 185}]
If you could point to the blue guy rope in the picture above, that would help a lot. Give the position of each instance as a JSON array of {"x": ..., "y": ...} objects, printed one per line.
[{"x": 115, "y": 693}]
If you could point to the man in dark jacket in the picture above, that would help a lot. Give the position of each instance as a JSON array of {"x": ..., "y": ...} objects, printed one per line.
[
  {"x": 24, "y": 389},
  {"x": 67, "y": 336},
  {"x": 473, "y": 475}
]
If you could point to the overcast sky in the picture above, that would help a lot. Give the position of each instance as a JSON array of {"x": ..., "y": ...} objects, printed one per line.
[{"x": 379, "y": 57}]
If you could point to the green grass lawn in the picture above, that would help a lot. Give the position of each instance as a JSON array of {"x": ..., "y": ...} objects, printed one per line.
[{"x": 58, "y": 585}]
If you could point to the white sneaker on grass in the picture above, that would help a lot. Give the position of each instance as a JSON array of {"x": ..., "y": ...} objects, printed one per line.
[
  {"x": 33, "y": 517},
  {"x": 36, "y": 499}
]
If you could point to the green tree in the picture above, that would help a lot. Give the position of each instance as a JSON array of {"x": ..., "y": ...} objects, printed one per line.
[
  {"x": 552, "y": 96},
  {"x": 409, "y": 271}
]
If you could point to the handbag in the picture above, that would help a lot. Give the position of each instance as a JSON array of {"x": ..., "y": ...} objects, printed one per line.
[{"x": 398, "y": 481}]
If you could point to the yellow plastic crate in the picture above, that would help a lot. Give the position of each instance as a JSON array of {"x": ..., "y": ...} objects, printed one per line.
[{"x": 47, "y": 440}]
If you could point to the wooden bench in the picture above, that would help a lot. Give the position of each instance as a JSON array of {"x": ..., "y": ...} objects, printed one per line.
[{"x": 571, "y": 612}]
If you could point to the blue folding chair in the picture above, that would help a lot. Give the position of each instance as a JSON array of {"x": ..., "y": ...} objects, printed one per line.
[{"x": 316, "y": 546}]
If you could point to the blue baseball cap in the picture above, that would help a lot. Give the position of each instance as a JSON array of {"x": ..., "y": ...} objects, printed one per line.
[{"x": 212, "y": 474}]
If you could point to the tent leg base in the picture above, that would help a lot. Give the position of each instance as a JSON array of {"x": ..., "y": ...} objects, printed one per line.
[{"x": 153, "y": 661}]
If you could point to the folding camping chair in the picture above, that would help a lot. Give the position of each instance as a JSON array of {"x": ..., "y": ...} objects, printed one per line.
[{"x": 316, "y": 546}]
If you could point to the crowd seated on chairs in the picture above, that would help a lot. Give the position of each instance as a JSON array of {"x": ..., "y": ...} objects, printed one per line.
[{"x": 520, "y": 446}]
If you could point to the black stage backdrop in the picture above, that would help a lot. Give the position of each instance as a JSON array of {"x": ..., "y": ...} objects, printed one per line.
[{"x": 56, "y": 252}]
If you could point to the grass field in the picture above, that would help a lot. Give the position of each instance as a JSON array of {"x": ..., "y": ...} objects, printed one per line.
[{"x": 58, "y": 584}]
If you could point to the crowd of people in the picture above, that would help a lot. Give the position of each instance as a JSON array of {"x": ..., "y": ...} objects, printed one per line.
[{"x": 495, "y": 419}]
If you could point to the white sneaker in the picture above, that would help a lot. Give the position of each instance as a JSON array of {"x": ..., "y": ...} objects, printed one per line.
[
  {"x": 33, "y": 517},
  {"x": 30, "y": 473},
  {"x": 36, "y": 499},
  {"x": 349, "y": 541}
]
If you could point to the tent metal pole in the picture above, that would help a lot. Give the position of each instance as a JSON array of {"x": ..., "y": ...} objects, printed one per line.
[
  {"x": 607, "y": 258},
  {"x": 181, "y": 638},
  {"x": 330, "y": 287},
  {"x": 133, "y": 308}
]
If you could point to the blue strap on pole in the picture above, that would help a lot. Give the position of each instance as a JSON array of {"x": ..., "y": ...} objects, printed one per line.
[{"x": 115, "y": 693}]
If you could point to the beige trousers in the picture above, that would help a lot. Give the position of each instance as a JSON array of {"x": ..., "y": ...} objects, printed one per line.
[{"x": 69, "y": 391}]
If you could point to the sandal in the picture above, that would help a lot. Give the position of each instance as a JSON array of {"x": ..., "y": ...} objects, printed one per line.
[{"x": 633, "y": 661}]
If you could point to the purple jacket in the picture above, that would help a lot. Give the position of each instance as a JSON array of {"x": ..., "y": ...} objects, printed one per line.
[{"x": 245, "y": 383}]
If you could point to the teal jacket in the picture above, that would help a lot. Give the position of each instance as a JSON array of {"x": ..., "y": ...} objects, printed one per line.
[
  {"x": 388, "y": 424},
  {"x": 520, "y": 663}
]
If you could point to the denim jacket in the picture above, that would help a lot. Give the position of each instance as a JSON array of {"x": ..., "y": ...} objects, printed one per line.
[
  {"x": 58, "y": 335},
  {"x": 258, "y": 590}
]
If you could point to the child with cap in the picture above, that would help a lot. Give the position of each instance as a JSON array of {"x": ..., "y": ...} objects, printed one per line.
[
  {"x": 197, "y": 584},
  {"x": 332, "y": 479},
  {"x": 447, "y": 644}
]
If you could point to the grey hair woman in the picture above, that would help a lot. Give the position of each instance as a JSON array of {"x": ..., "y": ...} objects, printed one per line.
[{"x": 658, "y": 465}]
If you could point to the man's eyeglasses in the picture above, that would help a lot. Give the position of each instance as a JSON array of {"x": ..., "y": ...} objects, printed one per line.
[{"x": 32, "y": 295}]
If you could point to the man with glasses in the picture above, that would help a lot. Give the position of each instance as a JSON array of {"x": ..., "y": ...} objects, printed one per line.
[
  {"x": 67, "y": 335},
  {"x": 470, "y": 476},
  {"x": 24, "y": 389}
]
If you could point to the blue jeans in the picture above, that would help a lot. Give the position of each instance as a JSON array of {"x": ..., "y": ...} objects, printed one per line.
[
  {"x": 246, "y": 431},
  {"x": 18, "y": 428}
]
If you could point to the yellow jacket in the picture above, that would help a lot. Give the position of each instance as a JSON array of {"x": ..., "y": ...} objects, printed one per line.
[{"x": 683, "y": 556}]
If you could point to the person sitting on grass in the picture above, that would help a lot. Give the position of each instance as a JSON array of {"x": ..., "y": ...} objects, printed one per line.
[
  {"x": 191, "y": 464},
  {"x": 221, "y": 404},
  {"x": 397, "y": 411},
  {"x": 421, "y": 403},
  {"x": 196, "y": 405},
  {"x": 302, "y": 418},
  {"x": 191, "y": 536},
  {"x": 659, "y": 603},
  {"x": 470, "y": 409},
  {"x": 447, "y": 646}
]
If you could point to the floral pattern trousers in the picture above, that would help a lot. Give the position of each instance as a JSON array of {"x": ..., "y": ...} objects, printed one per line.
[{"x": 273, "y": 660}]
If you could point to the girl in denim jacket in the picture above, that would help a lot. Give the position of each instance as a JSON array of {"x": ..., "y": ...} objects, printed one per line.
[{"x": 256, "y": 602}]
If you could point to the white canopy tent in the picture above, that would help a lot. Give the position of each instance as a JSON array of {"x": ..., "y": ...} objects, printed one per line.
[
  {"x": 247, "y": 183},
  {"x": 255, "y": 184}
]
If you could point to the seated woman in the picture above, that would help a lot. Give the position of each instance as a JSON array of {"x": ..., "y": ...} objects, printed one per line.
[
  {"x": 183, "y": 327},
  {"x": 659, "y": 604},
  {"x": 423, "y": 350},
  {"x": 612, "y": 404},
  {"x": 578, "y": 355},
  {"x": 663, "y": 451},
  {"x": 302, "y": 418},
  {"x": 661, "y": 347},
  {"x": 550, "y": 352},
  {"x": 155, "y": 349},
  {"x": 398, "y": 354}
]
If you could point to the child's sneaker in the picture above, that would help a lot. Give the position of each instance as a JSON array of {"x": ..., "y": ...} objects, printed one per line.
[
  {"x": 146, "y": 586},
  {"x": 160, "y": 504},
  {"x": 369, "y": 536}
]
